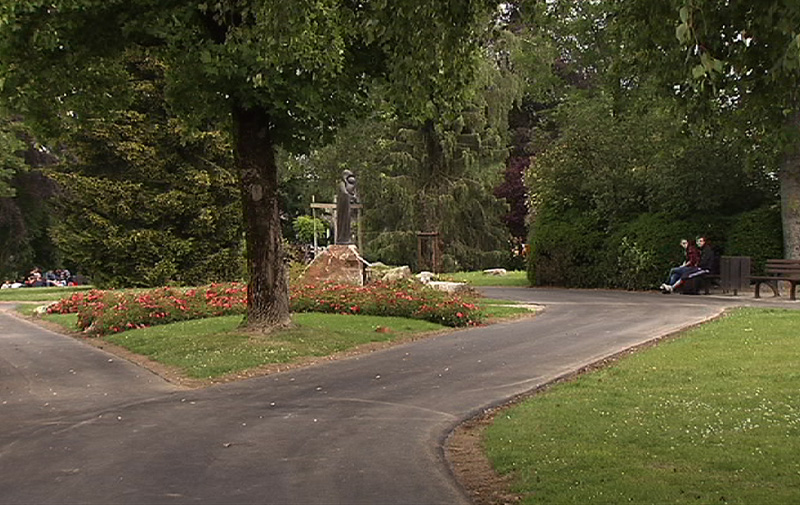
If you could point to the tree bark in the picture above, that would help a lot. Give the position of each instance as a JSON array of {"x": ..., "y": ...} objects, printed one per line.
[
  {"x": 268, "y": 288},
  {"x": 790, "y": 198},
  {"x": 433, "y": 171}
]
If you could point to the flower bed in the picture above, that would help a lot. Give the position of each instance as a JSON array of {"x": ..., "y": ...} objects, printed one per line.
[
  {"x": 402, "y": 299},
  {"x": 103, "y": 312}
]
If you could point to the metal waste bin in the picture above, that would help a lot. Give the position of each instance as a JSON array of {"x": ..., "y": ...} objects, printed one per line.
[{"x": 734, "y": 273}]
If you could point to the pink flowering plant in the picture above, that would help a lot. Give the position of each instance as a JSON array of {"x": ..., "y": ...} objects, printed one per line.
[
  {"x": 401, "y": 298},
  {"x": 104, "y": 312}
]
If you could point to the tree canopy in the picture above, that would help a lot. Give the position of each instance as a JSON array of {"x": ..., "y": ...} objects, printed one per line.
[{"x": 281, "y": 73}]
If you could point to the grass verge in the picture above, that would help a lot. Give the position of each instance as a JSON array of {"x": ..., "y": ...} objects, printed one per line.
[
  {"x": 711, "y": 417},
  {"x": 213, "y": 347},
  {"x": 517, "y": 278},
  {"x": 38, "y": 294}
]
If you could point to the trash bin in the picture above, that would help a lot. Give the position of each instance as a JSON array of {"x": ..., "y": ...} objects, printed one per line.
[{"x": 734, "y": 273}]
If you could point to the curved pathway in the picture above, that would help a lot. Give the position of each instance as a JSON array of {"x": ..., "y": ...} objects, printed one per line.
[{"x": 78, "y": 425}]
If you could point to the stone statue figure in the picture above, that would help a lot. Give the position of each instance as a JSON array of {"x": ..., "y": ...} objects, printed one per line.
[{"x": 345, "y": 197}]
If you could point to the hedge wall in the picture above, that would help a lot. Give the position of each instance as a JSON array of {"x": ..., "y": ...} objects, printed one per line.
[{"x": 574, "y": 249}]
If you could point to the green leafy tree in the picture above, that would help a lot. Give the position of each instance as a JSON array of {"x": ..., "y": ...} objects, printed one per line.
[
  {"x": 636, "y": 136},
  {"x": 25, "y": 197},
  {"x": 306, "y": 227},
  {"x": 282, "y": 73},
  {"x": 435, "y": 177},
  {"x": 734, "y": 66},
  {"x": 146, "y": 201},
  {"x": 11, "y": 149},
  {"x": 747, "y": 57}
]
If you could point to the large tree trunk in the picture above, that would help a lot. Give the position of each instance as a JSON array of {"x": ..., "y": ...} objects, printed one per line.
[
  {"x": 267, "y": 289},
  {"x": 432, "y": 173},
  {"x": 790, "y": 199}
]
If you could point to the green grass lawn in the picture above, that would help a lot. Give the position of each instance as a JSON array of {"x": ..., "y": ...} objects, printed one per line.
[
  {"x": 213, "y": 347},
  {"x": 710, "y": 417},
  {"x": 512, "y": 278},
  {"x": 38, "y": 294}
]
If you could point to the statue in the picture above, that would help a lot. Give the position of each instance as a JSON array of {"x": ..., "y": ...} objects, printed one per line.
[{"x": 345, "y": 197}]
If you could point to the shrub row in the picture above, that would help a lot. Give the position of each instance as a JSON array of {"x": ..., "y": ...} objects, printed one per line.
[
  {"x": 574, "y": 249},
  {"x": 104, "y": 312}
]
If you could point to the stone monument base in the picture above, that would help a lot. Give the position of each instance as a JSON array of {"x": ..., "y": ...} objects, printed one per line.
[{"x": 337, "y": 263}]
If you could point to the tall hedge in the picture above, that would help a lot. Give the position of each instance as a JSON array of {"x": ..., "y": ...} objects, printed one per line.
[
  {"x": 566, "y": 250},
  {"x": 757, "y": 234},
  {"x": 574, "y": 249}
]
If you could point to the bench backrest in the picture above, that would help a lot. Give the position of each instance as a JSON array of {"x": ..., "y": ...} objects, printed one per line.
[{"x": 783, "y": 268}]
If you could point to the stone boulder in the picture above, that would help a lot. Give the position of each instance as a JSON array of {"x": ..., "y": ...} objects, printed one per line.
[
  {"x": 396, "y": 274},
  {"x": 337, "y": 263},
  {"x": 495, "y": 271},
  {"x": 425, "y": 277},
  {"x": 450, "y": 287}
]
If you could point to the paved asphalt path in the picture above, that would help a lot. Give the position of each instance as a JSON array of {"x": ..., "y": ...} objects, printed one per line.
[{"x": 78, "y": 425}]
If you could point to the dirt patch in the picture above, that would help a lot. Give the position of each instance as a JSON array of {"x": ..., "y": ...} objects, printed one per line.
[{"x": 465, "y": 453}]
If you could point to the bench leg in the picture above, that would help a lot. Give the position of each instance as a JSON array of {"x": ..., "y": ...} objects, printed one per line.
[
  {"x": 792, "y": 291},
  {"x": 773, "y": 285}
]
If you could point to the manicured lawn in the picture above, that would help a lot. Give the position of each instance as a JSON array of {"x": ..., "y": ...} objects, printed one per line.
[
  {"x": 710, "y": 417},
  {"x": 38, "y": 294},
  {"x": 512, "y": 278},
  {"x": 213, "y": 347}
]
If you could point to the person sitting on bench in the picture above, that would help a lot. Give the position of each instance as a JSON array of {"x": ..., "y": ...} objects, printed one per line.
[{"x": 692, "y": 261}]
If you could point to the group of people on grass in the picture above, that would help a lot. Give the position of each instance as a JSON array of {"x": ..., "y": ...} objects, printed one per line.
[
  {"x": 37, "y": 279},
  {"x": 699, "y": 260}
]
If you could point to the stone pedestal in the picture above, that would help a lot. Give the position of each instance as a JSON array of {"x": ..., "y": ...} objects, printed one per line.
[{"x": 337, "y": 263}]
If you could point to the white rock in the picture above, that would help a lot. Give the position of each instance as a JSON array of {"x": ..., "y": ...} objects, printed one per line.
[
  {"x": 449, "y": 287},
  {"x": 495, "y": 271},
  {"x": 42, "y": 309},
  {"x": 425, "y": 277},
  {"x": 397, "y": 274}
]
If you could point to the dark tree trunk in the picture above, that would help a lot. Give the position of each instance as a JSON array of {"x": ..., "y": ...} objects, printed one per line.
[
  {"x": 433, "y": 173},
  {"x": 267, "y": 289},
  {"x": 790, "y": 199}
]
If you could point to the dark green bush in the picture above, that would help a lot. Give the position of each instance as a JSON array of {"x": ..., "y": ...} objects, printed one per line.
[
  {"x": 640, "y": 254},
  {"x": 566, "y": 250},
  {"x": 757, "y": 234},
  {"x": 574, "y": 250}
]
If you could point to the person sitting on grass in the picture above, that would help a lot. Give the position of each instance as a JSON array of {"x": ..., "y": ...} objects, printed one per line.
[{"x": 690, "y": 264}]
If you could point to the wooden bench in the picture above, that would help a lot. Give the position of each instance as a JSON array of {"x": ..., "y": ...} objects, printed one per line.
[{"x": 778, "y": 270}]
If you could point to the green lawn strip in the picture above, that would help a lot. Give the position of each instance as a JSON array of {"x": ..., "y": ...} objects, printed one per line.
[
  {"x": 512, "y": 278},
  {"x": 213, "y": 347},
  {"x": 39, "y": 294},
  {"x": 494, "y": 312},
  {"x": 711, "y": 417},
  {"x": 67, "y": 321},
  {"x": 495, "y": 301}
]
